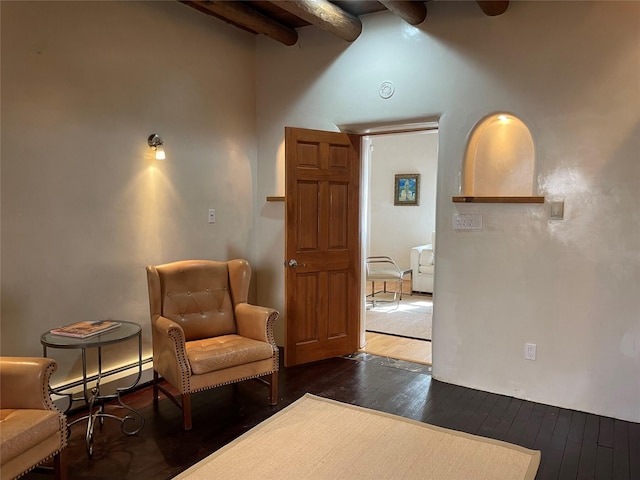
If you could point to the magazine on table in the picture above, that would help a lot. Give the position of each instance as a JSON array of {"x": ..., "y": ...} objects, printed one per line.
[{"x": 86, "y": 329}]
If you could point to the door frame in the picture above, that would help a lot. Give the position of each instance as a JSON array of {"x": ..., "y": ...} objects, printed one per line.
[{"x": 366, "y": 131}]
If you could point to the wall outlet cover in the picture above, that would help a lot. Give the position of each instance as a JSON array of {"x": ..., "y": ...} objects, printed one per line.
[
  {"x": 557, "y": 210},
  {"x": 530, "y": 350}
]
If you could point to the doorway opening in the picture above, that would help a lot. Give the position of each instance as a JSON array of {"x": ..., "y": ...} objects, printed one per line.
[{"x": 399, "y": 328}]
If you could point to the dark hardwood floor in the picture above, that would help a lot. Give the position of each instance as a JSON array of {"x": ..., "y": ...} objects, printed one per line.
[{"x": 574, "y": 445}]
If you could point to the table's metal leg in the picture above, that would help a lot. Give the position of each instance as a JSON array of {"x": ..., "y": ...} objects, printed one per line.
[
  {"x": 97, "y": 387},
  {"x": 138, "y": 416},
  {"x": 85, "y": 388},
  {"x": 133, "y": 416},
  {"x": 96, "y": 402},
  {"x": 91, "y": 419},
  {"x": 61, "y": 393},
  {"x": 91, "y": 398}
]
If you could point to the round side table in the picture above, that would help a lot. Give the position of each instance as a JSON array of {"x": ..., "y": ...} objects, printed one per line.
[{"x": 130, "y": 424}]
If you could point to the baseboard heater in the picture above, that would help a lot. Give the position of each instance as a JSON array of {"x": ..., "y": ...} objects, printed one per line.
[{"x": 110, "y": 380}]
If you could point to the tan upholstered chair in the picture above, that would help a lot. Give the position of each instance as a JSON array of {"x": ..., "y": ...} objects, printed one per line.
[
  {"x": 32, "y": 430},
  {"x": 205, "y": 334}
]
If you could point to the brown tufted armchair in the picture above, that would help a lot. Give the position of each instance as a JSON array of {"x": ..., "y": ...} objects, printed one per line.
[
  {"x": 32, "y": 430},
  {"x": 205, "y": 334}
]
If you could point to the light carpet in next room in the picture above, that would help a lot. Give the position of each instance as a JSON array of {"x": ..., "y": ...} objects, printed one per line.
[
  {"x": 409, "y": 317},
  {"x": 318, "y": 438}
]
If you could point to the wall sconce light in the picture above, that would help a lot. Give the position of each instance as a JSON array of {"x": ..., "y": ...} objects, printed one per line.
[{"x": 156, "y": 144}]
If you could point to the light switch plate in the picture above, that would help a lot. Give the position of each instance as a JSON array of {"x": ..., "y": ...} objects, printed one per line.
[{"x": 467, "y": 222}]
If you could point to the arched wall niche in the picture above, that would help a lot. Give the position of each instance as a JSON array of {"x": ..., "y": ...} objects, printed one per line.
[{"x": 499, "y": 163}]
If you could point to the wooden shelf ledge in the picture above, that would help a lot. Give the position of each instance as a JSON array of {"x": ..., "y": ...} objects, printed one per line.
[
  {"x": 275, "y": 199},
  {"x": 474, "y": 199}
]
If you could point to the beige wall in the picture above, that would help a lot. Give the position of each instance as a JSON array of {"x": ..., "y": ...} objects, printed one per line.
[
  {"x": 84, "y": 204},
  {"x": 570, "y": 71}
]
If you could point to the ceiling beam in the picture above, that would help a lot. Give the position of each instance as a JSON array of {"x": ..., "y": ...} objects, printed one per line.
[
  {"x": 493, "y": 8},
  {"x": 326, "y": 16},
  {"x": 414, "y": 13},
  {"x": 240, "y": 14}
]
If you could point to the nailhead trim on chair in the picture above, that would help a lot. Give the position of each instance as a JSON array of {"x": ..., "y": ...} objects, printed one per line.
[
  {"x": 38, "y": 464},
  {"x": 232, "y": 382},
  {"x": 272, "y": 340},
  {"x": 178, "y": 339},
  {"x": 276, "y": 358},
  {"x": 61, "y": 418},
  {"x": 45, "y": 387},
  {"x": 272, "y": 318}
]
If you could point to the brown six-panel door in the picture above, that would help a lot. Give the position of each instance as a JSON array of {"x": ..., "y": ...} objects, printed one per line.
[{"x": 322, "y": 244}]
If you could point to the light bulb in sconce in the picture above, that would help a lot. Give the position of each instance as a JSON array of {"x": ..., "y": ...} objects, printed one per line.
[
  {"x": 155, "y": 142},
  {"x": 160, "y": 153}
]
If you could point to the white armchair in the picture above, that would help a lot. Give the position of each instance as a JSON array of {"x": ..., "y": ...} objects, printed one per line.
[{"x": 423, "y": 266}]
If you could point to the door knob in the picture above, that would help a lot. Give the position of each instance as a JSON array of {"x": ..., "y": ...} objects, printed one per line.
[{"x": 293, "y": 263}]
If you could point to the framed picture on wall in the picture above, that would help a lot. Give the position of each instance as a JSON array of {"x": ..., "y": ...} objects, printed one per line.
[{"x": 407, "y": 189}]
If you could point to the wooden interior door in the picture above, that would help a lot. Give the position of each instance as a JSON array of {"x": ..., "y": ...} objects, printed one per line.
[{"x": 322, "y": 244}]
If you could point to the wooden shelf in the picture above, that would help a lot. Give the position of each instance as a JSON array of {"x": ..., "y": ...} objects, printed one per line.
[
  {"x": 275, "y": 199},
  {"x": 473, "y": 199}
]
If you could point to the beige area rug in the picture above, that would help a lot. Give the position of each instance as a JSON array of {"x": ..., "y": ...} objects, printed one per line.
[
  {"x": 316, "y": 438},
  {"x": 409, "y": 317}
]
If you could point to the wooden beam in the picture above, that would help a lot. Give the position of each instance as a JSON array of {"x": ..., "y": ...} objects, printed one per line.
[
  {"x": 325, "y": 15},
  {"x": 493, "y": 8},
  {"x": 414, "y": 13},
  {"x": 240, "y": 14}
]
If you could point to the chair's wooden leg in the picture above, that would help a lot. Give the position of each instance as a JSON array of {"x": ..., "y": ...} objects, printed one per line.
[
  {"x": 273, "y": 387},
  {"x": 155, "y": 387},
  {"x": 59, "y": 467},
  {"x": 186, "y": 411}
]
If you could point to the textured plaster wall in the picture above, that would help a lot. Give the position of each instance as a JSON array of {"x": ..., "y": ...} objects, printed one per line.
[
  {"x": 570, "y": 71},
  {"x": 85, "y": 206}
]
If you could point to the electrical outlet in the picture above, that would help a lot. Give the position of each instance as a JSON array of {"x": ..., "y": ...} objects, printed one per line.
[
  {"x": 530, "y": 351},
  {"x": 212, "y": 215},
  {"x": 557, "y": 210}
]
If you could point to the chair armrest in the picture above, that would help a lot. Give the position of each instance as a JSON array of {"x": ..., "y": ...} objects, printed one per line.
[
  {"x": 169, "y": 351},
  {"x": 383, "y": 269},
  {"x": 256, "y": 322},
  {"x": 415, "y": 256},
  {"x": 420, "y": 248},
  {"x": 24, "y": 383}
]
